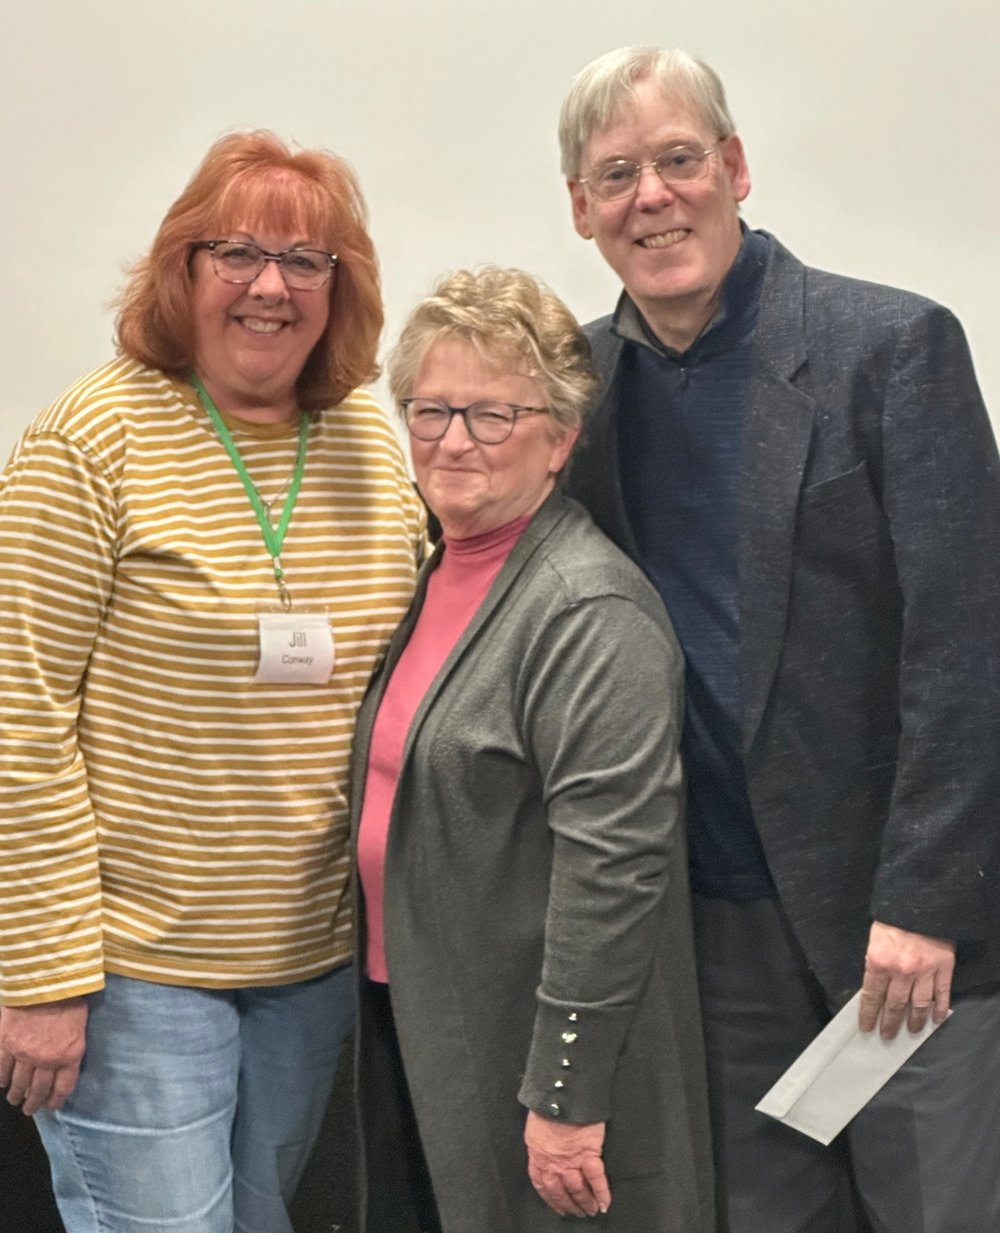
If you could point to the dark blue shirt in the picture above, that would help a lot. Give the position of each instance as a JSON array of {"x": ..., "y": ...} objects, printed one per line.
[{"x": 680, "y": 448}]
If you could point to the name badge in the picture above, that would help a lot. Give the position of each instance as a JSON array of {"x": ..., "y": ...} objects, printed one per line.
[{"x": 296, "y": 648}]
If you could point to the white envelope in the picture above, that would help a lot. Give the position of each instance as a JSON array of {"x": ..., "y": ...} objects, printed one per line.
[{"x": 837, "y": 1075}]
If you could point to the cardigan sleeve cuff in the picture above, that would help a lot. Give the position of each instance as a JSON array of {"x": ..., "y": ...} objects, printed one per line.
[{"x": 573, "y": 1058}]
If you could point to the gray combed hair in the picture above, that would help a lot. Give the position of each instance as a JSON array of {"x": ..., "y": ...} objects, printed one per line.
[{"x": 602, "y": 89}]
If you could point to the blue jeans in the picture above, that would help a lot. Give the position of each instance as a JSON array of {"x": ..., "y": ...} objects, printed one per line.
[{"x": 196, "y": 1109}]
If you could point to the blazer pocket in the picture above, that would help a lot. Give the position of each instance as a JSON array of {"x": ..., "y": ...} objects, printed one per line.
[
  {"x": 838, "y": 516},
  {"x": 846, "y": 485}
]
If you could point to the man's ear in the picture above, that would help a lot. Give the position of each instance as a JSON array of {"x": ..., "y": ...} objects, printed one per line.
[
  {"x": 581, "y": 213},
  {"x": 734, "y": 160}
]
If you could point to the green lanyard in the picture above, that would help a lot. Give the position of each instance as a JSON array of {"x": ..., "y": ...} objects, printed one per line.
[{"x": 273, "y": 537}]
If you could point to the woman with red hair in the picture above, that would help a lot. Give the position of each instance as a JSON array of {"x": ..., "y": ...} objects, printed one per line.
[{"x": 204, "y": 547}]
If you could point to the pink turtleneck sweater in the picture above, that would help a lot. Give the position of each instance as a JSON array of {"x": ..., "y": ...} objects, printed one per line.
[{"x": 454, "y": 592}]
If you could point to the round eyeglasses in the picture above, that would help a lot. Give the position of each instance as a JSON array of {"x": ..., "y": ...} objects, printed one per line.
[
  {"x": 619, "y": 177},
  {"x": 239, "y": 261},
  {"x": 489, "y": 423}
]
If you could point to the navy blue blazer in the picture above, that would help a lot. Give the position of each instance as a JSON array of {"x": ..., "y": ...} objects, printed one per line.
[{"x": 869, "y": 613}]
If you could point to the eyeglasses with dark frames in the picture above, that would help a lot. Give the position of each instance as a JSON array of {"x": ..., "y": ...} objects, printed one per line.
[
  {"x": 619, "y": 177},
  {"x": 239, "y": 261},
  {"x": 489, "y": 423}
]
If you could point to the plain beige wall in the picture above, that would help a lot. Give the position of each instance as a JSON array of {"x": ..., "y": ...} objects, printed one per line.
[{"x": 870, "y": 127}]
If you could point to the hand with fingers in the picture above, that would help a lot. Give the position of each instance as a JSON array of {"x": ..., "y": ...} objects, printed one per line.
[
  {"x": 907, "y": 977},
  {"x": 565, "y": 1165},
  {"x": 41, "y": 1048}
]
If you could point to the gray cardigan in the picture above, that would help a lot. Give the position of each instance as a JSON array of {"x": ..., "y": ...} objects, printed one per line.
[{"x": 536, "y": 909}]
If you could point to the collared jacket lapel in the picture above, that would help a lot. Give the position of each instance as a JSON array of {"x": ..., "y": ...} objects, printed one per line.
[
  {"x": 776, "y": 446},
  {"x": 776, "y": 440},
  {"x": 593, "y": 476}
]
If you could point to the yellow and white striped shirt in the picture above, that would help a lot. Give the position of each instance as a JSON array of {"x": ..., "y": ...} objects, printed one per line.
[{"x": 161, "y": 815}]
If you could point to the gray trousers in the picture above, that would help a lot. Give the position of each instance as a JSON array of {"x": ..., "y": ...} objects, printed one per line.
[{"x": 922, "y": 1157}]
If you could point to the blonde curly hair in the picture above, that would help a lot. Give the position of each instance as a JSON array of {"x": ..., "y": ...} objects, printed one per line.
[{"x": 516, "y": 324}]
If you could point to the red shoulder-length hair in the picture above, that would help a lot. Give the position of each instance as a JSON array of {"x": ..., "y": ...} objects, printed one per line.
[{"x": 253, "y": 179}]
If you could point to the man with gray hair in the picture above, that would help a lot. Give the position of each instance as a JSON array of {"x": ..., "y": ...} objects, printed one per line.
[{"x": 803, "y": 466}]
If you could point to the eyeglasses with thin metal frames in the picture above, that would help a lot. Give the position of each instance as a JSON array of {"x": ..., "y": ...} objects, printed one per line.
[
  {"x": 488, "y": 422},
  {"x": 296, "y": 278},
  {"x": 605, "y": 187}
]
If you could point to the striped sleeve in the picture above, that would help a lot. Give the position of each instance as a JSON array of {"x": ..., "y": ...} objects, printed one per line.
[{"x": 57, "y": 547}]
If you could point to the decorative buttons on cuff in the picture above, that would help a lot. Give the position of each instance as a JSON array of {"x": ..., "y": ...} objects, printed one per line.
[{"x": 568, "y": 1037}]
